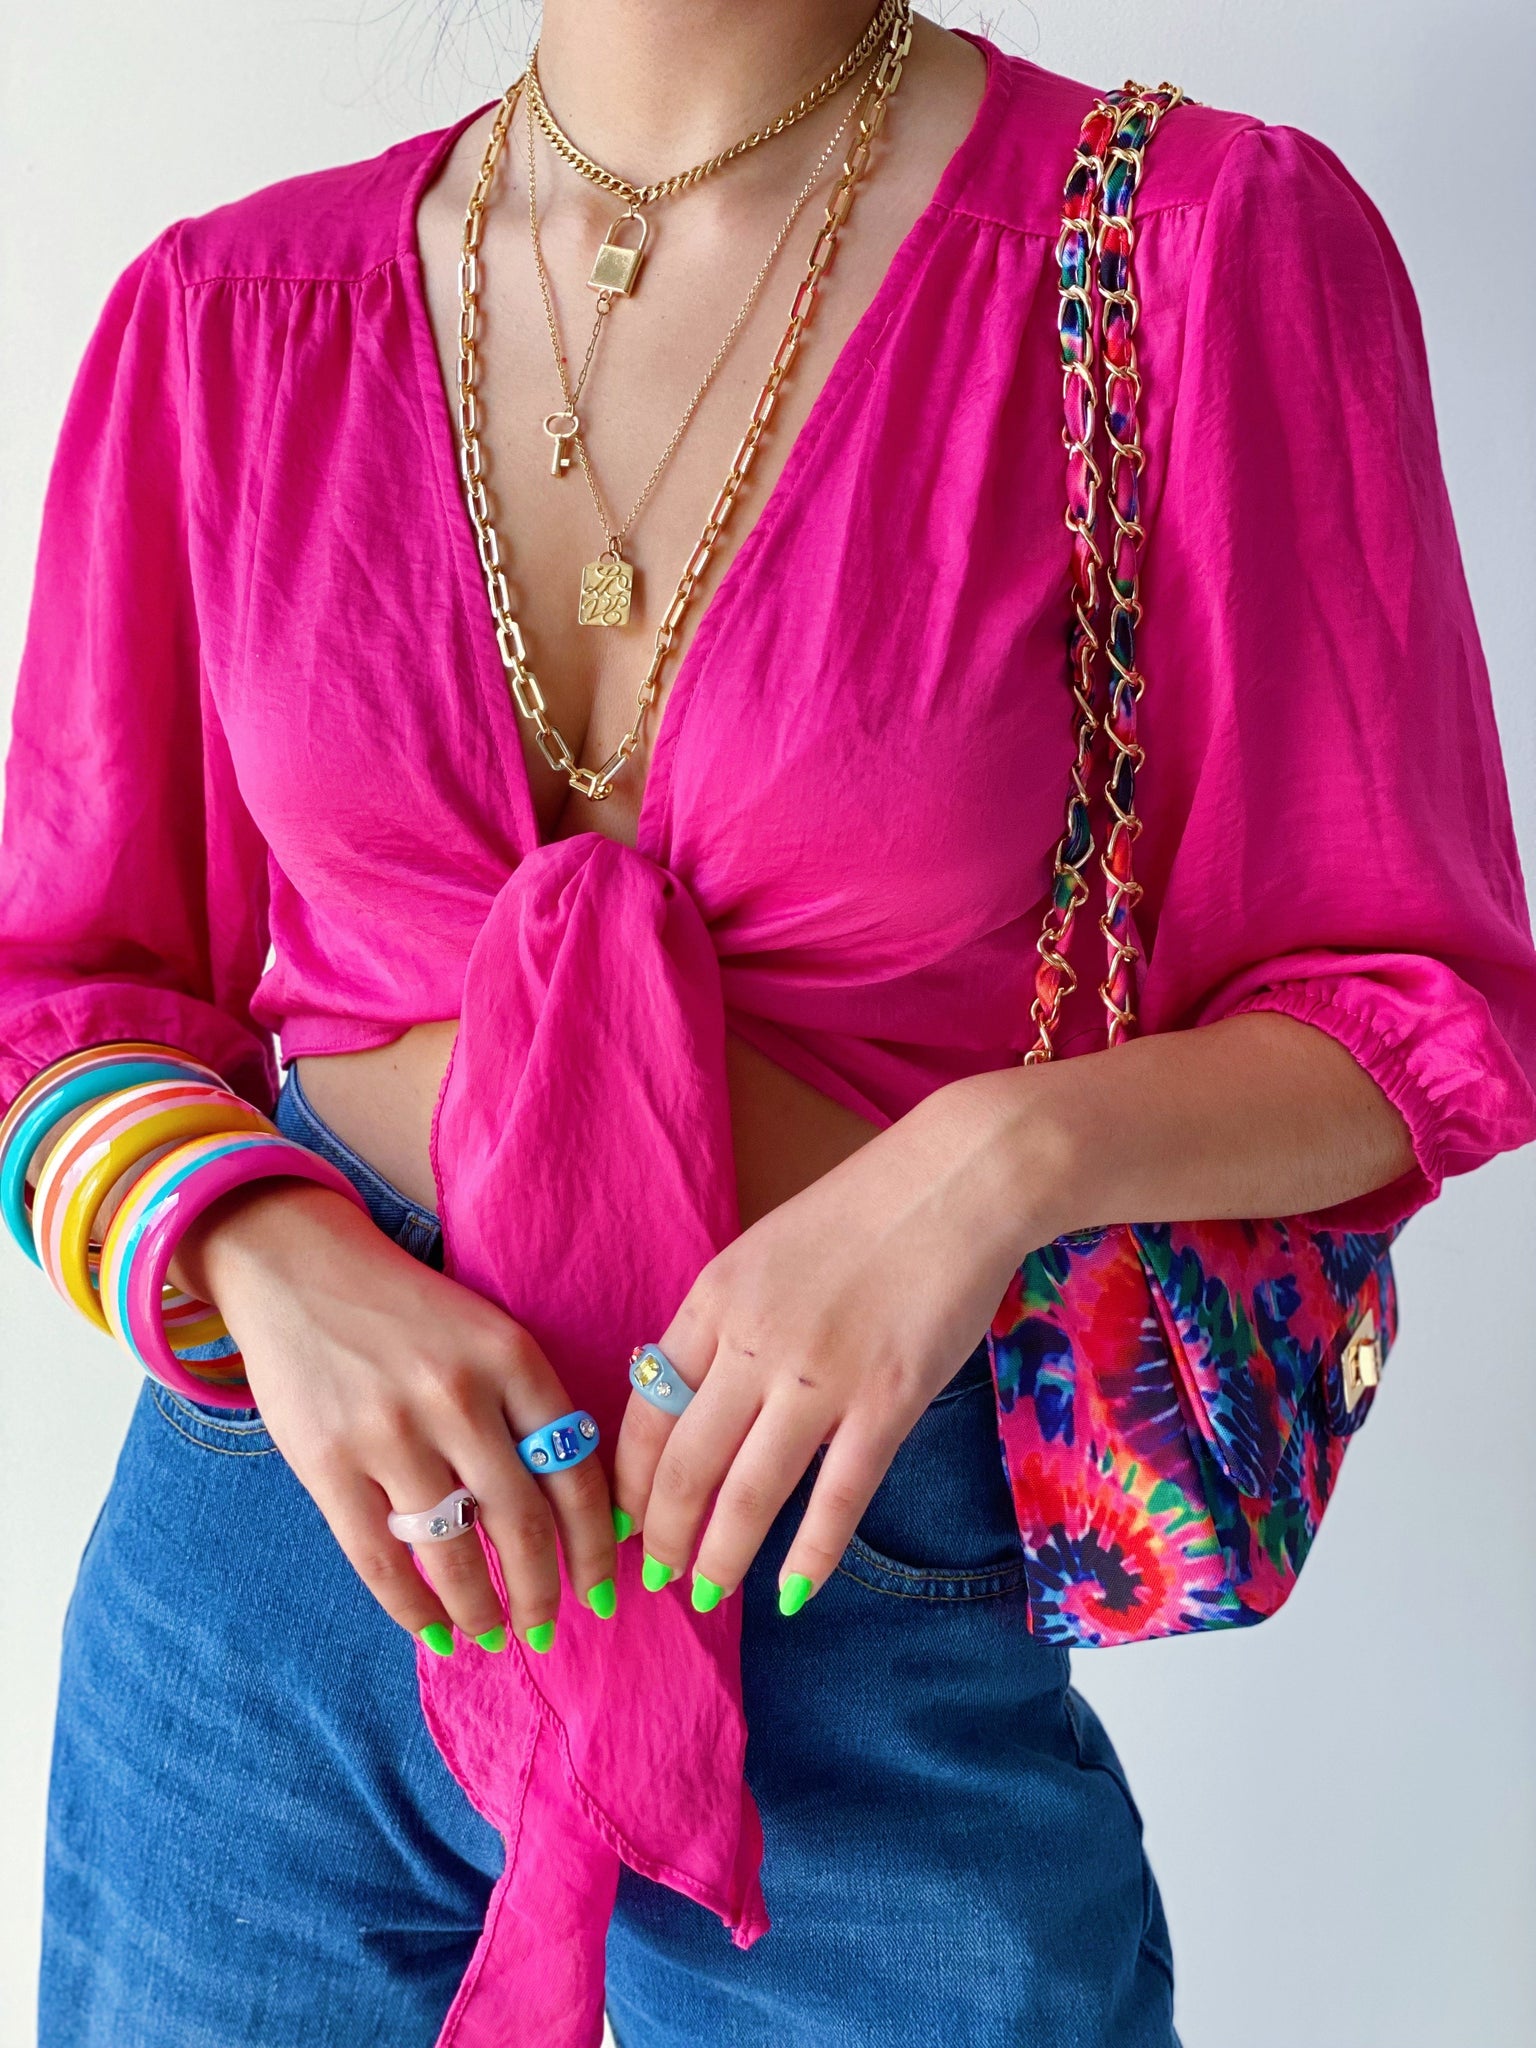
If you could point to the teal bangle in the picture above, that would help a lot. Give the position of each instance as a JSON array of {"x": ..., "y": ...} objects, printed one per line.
[{"x": 73, "y": 1091}]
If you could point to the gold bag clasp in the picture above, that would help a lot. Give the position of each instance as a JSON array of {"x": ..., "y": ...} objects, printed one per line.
[
  {"x": 1360, "y": 1364},
  {"x": 618, "y": 263}
]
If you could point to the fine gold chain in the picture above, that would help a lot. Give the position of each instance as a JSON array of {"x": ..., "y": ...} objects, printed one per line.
[
  {"x": 568, "y": 391},
  {"x": 572, "y": 392},
  {"x": 663, "y": 188},
  {"x": 597, "y": 783}
]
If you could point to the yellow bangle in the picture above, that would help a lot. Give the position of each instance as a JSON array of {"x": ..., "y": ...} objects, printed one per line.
[
  {"x": 187, "y": 1320},
  {"x": 69, "y": 1221}
]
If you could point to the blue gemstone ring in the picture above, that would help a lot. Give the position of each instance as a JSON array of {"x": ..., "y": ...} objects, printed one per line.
[
  {"x": 559, "y": 1444},
  {"x": 656, "y": 1379}
]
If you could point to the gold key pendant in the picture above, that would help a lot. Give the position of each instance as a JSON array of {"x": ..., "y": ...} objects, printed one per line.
[
  {"x": 562, "y": 428},
  {"x": 618, "y": 265},
  {"x": 606, "y": 586}
]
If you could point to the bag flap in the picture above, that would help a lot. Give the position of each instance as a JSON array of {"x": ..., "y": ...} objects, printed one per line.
[{"x": 1252, "y": 1312}]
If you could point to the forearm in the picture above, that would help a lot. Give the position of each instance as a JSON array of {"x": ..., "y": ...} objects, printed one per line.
[{"x": 1257, "y": 1115}]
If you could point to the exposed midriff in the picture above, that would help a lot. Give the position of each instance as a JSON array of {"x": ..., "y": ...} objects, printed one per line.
[{"x": 380, "y": 1102}]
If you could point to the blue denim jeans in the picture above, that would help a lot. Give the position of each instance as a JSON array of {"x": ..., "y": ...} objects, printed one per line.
[{"x": 253, "y": 1842}]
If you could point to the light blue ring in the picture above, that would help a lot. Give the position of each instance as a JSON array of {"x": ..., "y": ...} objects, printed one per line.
[
  {"x": 75, "y": 1091},
  {"x": 560, "y": 1445},
  {"x": 670, "y": 1393}
]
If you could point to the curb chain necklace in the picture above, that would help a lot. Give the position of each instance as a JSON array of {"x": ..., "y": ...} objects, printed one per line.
[
  {"x": 616, "y": 268},
  {"x": 608, "y": 583},
  {"x": 597, "y": 783}
]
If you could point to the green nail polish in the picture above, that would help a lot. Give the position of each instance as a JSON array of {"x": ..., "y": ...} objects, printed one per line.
[
  {"x": 493, "y": 1640},
  {"x": 541, "y": 1637},
  {"x": 623, "y": 1524},
  {"x": 603, "y": 1599},
  {"x": 706, "y": 1594},
  {"x": 654, "y": 1573},
  {"x": 438, "y": 1636},
  {"x": 794, "y": 1593}
]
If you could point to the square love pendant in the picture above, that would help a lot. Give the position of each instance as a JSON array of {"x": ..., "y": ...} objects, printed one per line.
[{"x": 606, "y": 588}]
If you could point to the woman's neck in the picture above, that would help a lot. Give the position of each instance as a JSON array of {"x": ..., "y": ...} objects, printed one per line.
[{"x": 647, "y": 87}]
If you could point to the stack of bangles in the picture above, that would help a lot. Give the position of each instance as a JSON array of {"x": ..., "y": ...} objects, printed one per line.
[{"x": 105, "y": 1158}]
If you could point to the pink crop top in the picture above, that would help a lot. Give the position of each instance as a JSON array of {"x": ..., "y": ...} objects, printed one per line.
[{"x": 260, "y": 703}]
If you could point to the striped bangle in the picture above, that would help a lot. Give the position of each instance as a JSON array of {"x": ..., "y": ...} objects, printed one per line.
[
  {"x": 102, "y": 1153},
  {"x": 76, "y": 1140},
  {"x": 52, "y": 1098},
  {"x": 142, "y": 1238}
]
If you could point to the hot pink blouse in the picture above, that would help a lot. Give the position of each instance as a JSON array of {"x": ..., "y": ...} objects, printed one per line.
[{"x": 261, "y": 705}]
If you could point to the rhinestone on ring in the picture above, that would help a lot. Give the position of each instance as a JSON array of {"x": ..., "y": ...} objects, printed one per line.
[
  {"x": 454, "y": 1515},
  {"x": 561, "y": 1443},
  {"x": 656, "y": 1379}
]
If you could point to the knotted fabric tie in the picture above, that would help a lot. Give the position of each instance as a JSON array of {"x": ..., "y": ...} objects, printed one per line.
[{"x": 585, "y": 1173}]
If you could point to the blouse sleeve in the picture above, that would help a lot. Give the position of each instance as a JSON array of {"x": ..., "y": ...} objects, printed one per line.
[
  {"x": 1327, "y": 828},
  {"x": 132, "y": 880}
]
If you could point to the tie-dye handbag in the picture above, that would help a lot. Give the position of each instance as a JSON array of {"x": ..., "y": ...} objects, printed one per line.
[{"x": 1174, "y": 1399}]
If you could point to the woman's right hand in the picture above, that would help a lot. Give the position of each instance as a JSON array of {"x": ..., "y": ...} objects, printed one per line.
[{"x": 385, "y": 1385}]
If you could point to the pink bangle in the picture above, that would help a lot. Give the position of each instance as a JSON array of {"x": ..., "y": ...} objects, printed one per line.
[
  {"x": 231, "y": 1161},
  {"x": 184, "y": 1321}
]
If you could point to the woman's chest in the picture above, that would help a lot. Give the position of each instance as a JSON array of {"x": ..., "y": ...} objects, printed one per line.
[{"x": 863, "y": 745}]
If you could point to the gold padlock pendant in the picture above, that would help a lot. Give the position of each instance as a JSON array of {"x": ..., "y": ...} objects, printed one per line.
[{"x": 617, "y": 265}]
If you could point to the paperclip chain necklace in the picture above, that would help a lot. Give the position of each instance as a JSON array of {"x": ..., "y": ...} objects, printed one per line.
[
  {"x": 608, "y": 583},
  {"x": 616, "y": 268},
  {"x": 597, "y": 783}
]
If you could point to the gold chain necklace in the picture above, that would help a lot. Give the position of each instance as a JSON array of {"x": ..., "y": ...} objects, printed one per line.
[
  {"x": 616, "y": 268},
  {"x": 597, "y": 783},
  {"x": 608, "y": 583}
]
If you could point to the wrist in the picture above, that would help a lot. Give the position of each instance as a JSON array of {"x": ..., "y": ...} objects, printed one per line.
[
  {"x": 1017, "y": 1158},
  {"x": 251, "y": 1232}
]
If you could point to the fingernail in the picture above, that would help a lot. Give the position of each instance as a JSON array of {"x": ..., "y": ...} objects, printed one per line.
[
  {"x": 654, "y": 1574},
  {"x": 541, "y": 1637},
  {"x": 438, "y": 1636},
  {"x": 706, "y": 1594},
  {"x": 623, "y": 1524},
  {"x": 493, "y": 1640},
  {"x": 794, "y": 1593},
  {"x": 603, "y": 1599}
]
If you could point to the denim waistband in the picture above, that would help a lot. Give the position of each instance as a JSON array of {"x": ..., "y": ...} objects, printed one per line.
[{"x": 412, "y": 1226}]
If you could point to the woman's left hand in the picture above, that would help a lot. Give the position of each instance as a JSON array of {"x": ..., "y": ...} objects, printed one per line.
[{"x": 834, "y": 1319}]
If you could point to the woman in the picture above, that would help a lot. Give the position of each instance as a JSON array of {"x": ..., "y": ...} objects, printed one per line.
[{"x": 724, "y": 1056}]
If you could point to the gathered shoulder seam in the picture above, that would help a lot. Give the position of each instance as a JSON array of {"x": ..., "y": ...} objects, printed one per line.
[
  {"x": 1041, "y": 234},
  {"x": 192, "y": 284}
]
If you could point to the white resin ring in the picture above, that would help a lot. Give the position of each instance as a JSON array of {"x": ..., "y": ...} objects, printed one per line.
[{"x": 454, "y": 1515}]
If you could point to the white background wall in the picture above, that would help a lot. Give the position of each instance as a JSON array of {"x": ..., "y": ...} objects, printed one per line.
[{"x": 1342, "y": 1804}]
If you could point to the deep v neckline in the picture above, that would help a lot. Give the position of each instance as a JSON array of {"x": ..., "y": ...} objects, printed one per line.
[{"x": 852, "y": 360}]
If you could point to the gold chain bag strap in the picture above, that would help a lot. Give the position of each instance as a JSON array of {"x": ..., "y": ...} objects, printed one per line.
[
  {"x": 1174, "y": 1400},
  {"x": 1095, "y": 252}
]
